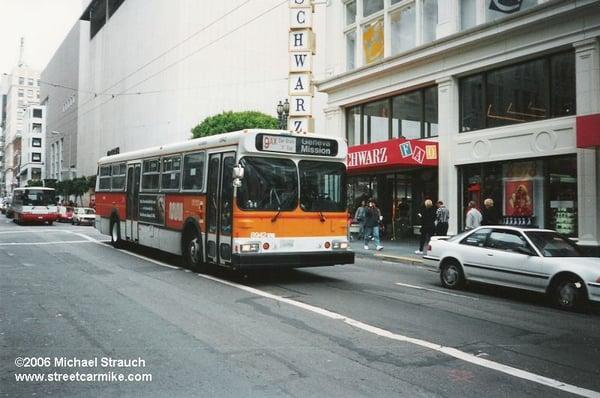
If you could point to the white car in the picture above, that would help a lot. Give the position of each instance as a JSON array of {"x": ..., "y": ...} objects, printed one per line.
[
  {"x": 84, "y": 215},
  {"x": 540, "y": 260}
]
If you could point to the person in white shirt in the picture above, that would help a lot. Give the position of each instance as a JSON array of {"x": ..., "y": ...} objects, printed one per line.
[{"x": 474, "y": 217}]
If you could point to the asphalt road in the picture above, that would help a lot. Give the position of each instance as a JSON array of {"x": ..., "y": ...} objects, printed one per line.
[{"x": 340, "y": 331}]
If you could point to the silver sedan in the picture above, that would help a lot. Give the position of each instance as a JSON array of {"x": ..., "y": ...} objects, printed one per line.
[{"x": 532, "y": 259}]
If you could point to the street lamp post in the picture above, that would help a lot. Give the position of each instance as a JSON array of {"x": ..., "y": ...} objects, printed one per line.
[{"x": 283, "y": 111}]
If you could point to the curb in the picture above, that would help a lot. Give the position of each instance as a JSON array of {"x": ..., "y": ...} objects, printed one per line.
[{"x": 395, "y": 259}]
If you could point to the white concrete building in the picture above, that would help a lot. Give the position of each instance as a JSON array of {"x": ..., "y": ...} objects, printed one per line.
[
  {"x": 22, "y": 91},
  {"x": 33, "y": 145},
  {"x": 155, "y": 69},
  {"x": 511, "y": 98}
]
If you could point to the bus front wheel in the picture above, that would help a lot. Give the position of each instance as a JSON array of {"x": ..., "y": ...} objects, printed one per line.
[{"x": 192, "y": 251}]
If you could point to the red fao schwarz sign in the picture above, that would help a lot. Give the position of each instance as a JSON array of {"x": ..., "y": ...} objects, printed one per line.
[{"x": 392, "y": 153}]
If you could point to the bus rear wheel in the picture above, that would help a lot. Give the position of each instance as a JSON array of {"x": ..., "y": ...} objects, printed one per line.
[
  {"x": 115, "y": 234},
  {"x": 192, "y": 251}
]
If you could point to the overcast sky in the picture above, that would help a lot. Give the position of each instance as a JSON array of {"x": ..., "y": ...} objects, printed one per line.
[{"x": 43, "y": 23}]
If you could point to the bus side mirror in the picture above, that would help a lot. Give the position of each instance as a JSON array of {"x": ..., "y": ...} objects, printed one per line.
[{"x": 238, "y": 172}]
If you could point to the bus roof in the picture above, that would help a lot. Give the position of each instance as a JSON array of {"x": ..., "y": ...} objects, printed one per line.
[
  {"x": 30, "y": 188},
  {"x": 244, "y": 137}
]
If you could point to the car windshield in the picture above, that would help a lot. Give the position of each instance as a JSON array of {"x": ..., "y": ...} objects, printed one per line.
[
  {"x": 269, "y": 184},
  {"x": 552, "y": 244},
  {"x": 322, "y": 186},
  {"x": 89, "y": 211}
]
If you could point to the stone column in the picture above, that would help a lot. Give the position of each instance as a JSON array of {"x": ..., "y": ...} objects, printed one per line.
[
  {"x": 334, "y": 122},
  {"x": 587, "y": 70},
  {"x": 448, "y": 129}
]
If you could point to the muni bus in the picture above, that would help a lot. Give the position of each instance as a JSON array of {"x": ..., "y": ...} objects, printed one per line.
[
  {"x": 34, "y": 204},
  {"x": 251, "y": 198}
]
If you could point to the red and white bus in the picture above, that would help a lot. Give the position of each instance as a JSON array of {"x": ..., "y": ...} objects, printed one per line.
[
  {"x": 34, "y": 205},
  {"x": 251, "y": 198}
]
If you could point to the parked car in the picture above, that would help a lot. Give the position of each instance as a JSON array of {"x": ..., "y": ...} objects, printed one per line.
[
  {"x": 84, "y": 215},
  {"x": 539, "y": 260},
  {"x": 65, "y": 214},
  {"x": 3, "y": 205},
  {"x": 9, "y": 209}
]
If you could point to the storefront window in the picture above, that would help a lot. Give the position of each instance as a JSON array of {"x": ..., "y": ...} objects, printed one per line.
[
  {"x": 375, "y": 121},
  {"x": 533, "y": 192},
  {"x": 517, "y": 94},
  {"x": 431, "y": 111},
  {"x": 407, "y": 116},
  {"x": 353, "y": 126},
  {"x": 526, "y": 92},
  {"x": 403, "y": 30},
  {"x": 411, "y": 115}
]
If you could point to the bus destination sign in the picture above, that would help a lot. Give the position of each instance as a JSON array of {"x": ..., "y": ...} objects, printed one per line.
[{"x": 298, "y": 145}]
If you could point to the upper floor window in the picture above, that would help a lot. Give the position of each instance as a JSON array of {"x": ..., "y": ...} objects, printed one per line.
[
  {"x": 412, "y": 115},
  {"x": 21, "y": 80},
  {"x": 36, "y": 157},
  {"x": 37, "y": 112},
  {"x": 380, "y": 28},
  {"x": 30, "y": 82},
  {"x": 36, "y": 142},
  {"x": 539, "y": 89}
]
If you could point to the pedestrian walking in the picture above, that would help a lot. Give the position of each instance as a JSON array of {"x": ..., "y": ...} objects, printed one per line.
[
  {"x": 359, "y": 216},
  {"x": 442, "y": 215},
  {"x": 372, "y": 219},
  {"x": 427, "y": 216},
  {"x": 474, "y": 217},
  {"x": 490, "y": 215}
]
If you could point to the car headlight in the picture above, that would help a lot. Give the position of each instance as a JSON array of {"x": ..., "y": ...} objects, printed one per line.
[
  {"x": 251, "y": 247},
  {"x": 339, "y": 245}
]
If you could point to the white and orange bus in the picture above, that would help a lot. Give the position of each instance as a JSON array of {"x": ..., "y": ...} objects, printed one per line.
[
  {"x": 34, "y": 204},
  {"x": 252, "y": 198}
]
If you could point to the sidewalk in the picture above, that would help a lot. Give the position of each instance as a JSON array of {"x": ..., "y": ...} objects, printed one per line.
[{"x": 402, "y": 251}]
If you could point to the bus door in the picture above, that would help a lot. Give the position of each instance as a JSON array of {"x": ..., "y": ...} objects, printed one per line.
[
  {"x": 133, "y": 193},
  {"x": 219, "y": 207}
]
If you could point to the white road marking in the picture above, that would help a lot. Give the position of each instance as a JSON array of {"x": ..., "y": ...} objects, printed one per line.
[
  {"x": 58, "y": 242},
  {"x": 436, "y": 291},
  {"x": 453, "y": 352}
]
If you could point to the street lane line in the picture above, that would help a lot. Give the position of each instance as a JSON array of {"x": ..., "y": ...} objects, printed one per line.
[
  {"x": 43, "y": 243},
  {"x": 435, "y": 291},
  {"x": 453, "y": 352},
  {"x": 148, "y": 259}
]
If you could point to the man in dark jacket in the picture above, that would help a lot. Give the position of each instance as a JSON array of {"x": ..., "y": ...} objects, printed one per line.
[
  {"x": 372, "y": 219},
  {"x": 489, "y": 213},
  {"x": 427, "y": 216}
]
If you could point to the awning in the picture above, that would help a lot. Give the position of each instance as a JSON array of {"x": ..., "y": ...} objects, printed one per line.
[
  {"x": 588, "y": 131},
  {"x": 393, "y": 153}
]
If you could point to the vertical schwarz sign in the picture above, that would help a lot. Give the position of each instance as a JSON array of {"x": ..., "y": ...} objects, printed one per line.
[{"x": 302, "y": 49}]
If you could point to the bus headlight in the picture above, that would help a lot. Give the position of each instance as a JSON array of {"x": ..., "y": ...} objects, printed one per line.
[
  {"x": 339, "y": 245},
  {"x": 249, "y": 247}
]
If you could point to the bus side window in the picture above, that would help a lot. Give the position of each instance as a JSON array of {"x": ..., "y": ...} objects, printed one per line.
[{"x": 193, "y": 171}]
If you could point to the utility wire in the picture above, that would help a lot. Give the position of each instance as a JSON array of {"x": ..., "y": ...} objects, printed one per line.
[
  {"x": 156, "y": 58},
  {"x": 112, "y": 96}
]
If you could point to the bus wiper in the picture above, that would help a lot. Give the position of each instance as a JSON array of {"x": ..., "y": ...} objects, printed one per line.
[{"x": 276, "y": 215}]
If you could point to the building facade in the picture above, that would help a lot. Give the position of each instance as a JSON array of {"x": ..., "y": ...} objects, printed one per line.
[
  {"x": 501, "y": 87},
  {"x": 33, "y": 142},
  {"x": 153, "y": 70},
  {"x": 59, "y": 92},
  {"x": 22, "y": 91}
]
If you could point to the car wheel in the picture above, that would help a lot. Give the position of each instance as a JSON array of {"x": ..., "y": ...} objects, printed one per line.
[
  {"x": 451, "y": 275},
  {"x": 192, "y": 251},
  {"x": 115, "y": 234},
  {"x": 569, "y": 293}
]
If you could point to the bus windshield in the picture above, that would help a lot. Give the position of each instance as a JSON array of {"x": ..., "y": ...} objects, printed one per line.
[
  {"x": 322, "y": 186},
  {"x": 269, "y": 184},
  {"x": 38, "y": 197}
]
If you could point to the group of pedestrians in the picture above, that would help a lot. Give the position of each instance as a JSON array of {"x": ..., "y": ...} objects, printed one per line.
[
  {"x": 369, "y": 218},
  {"x": 476, "y": 218},
  {"x": 434, "y": 220}
]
